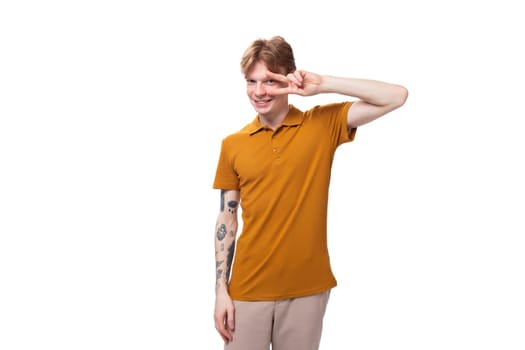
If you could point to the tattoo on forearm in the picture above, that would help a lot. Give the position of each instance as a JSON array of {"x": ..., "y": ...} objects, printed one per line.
[
  {"x": 218, "y": 263},
  {"x": 217, "y": 270},
  {"x": 232, "y": 206},
  {"x": 223, "y": 264},
  {"x": 221, "y": 232},
  {"x": 229, "y": 259},
  {"x": 223, "y": 192}
]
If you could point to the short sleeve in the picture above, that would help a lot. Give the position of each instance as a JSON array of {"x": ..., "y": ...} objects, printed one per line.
[
  {"x": 335, "y": 118},
  {"x": 225, "y": 176},
  {"x": 344, "y": 133}
]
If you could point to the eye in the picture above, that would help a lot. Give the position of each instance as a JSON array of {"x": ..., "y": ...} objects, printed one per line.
[
  {"x": 250, "y": 81},
  {"x": 270, "y": 81}
]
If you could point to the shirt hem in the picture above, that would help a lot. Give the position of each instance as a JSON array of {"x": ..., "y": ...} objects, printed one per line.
[{"x": 283, "y": 296}]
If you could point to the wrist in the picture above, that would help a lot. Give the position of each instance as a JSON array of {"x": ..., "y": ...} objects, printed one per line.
[
  {"x": 328, "y": 83},
  {"x": 221, "y": 286}
]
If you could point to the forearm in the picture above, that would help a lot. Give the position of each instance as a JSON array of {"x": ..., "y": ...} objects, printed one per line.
[
  {"x": 225, "y": 234},
  {"x": 371, "y": 91}
]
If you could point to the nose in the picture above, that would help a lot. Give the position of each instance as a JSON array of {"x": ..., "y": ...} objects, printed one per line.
[{"x": 259, "y": 89}]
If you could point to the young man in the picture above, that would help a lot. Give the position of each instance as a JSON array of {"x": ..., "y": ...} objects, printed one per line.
[{"x": 278, "y": 168}]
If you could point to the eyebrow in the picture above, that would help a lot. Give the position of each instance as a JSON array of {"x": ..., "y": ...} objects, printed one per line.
[{"x": 266, "y": 77}]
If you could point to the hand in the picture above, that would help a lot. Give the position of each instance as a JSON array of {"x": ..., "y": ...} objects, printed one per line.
[
  {"x": 224, "y": 316},
  {"x": 299, "y": 82}
]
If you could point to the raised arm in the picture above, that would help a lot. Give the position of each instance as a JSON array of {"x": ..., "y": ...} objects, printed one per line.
[
  {"x": 374, "y": 98},
  {"x": 225, "y": 234}
]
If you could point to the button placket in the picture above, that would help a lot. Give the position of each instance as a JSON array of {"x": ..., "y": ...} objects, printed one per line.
[{"x": 275, "y": 147}]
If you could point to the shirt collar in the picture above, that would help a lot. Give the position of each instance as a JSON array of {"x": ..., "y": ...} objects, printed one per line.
[{"x": 293, "y": 118}]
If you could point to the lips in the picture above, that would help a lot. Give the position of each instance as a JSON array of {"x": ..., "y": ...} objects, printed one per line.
[{"x": 262, "y": 101}]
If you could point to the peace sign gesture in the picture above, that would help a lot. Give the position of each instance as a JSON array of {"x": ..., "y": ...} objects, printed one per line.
[{"x": 299, "y": 82}]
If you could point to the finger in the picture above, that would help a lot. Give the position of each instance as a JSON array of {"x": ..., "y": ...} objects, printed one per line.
[
  {"x": 227, "y": 334},
  {"x": 296, "y": 77},
  {"x": 223, "y": 331},
  {"x": 230, "y": 318},
  {"x": 278, "y": 77},
  {"x": 224, "y": 339},
  {"x": 280, "y": 90}
]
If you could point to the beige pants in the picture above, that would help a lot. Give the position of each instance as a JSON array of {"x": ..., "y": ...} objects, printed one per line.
[{"x": 289, "y": 324}]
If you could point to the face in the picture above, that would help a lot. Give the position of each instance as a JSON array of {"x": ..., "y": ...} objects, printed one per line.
[{"x": 258, "y": 89}]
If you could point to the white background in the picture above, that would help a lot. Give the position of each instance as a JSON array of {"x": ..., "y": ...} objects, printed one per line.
[{"x": 111, "y": 117}]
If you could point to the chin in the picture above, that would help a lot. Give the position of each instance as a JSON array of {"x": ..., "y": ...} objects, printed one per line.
[{"x": 262, "y": 108}]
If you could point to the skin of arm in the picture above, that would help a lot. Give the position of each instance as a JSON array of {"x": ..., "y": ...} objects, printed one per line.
[
  {"x": 225, "y": 235},
  {"x": 375, "y": 98}
]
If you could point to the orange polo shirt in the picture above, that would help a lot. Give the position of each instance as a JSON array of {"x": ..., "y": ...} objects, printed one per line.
[{"x": 283, "y": 176}]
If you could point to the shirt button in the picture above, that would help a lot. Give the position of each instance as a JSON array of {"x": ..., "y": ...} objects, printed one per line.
[{"x": 274, "y": 149}]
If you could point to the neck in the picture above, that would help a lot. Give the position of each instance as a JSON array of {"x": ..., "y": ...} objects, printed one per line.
[{"x": 273, "y": 120}]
